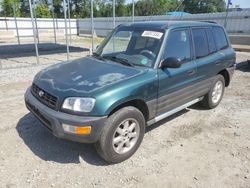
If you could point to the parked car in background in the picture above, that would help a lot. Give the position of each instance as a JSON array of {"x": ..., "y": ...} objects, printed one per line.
[{"x": 139, "y": 75}]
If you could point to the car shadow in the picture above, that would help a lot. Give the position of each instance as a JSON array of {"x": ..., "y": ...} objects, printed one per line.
[
  {"x": 49, "y": 148},
  {"x": 26, "y": 50},
  {"x": 243, "y": 66}
]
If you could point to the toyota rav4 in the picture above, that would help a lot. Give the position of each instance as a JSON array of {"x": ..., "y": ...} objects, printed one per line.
[{"x": 140, "y": 74}]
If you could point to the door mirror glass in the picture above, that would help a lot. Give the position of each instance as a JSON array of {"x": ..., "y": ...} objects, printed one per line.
[{"x": 171, "y": 62}]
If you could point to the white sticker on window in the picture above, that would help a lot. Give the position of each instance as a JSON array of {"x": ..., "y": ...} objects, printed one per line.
[
  {"x": 152, "y": 34},
  {"x": 183, "y": 36}
]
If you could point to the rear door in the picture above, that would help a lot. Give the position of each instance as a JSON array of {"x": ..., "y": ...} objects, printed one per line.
[
  {"x": 205, "y": 53},
  {"x": 176, "y": 84},
  {"x": 225, "y": 52},
  {"x": 206, "y": 57}
]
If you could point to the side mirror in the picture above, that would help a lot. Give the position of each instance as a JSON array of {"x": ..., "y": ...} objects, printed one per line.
[{"x": 171, "y": 62}]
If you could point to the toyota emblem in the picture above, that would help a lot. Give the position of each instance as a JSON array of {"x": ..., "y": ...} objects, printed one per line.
[{"x": 40, "y": 93}]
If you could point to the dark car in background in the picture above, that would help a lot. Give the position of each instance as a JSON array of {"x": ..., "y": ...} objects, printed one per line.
[{"x": 139, "y": 75}]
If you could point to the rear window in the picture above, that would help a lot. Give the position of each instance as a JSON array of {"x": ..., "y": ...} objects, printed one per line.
[
  {"x": 220, "y": 38},
  {"x": 200, "y": 43}
]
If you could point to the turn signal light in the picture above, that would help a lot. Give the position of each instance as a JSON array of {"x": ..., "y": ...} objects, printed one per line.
[
  {"x": 83, "y": 130},
  {"x": 77, "y": 130}
]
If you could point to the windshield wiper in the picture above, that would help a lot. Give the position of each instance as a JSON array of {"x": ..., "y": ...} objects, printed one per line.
[
  {"x": 98, "y": 56},
  {"x": 119, "y": 60}
]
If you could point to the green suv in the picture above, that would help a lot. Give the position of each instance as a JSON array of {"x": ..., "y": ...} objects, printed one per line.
[{"x": 140, "y": 74}]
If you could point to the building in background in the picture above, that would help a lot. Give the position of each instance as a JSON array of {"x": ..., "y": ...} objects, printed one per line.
[{"x": 176, "y": 13}]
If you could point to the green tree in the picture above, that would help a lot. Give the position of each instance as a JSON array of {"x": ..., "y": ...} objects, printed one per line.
[
  {"x": 58, "y": 9},
  {"x": 42, "y": 11},
  {"x": 155, "y": 7},
  {"x": 7, "y": 9},
  {"x": 24, "y": 8},
  {"x": 204, "y": 6}
]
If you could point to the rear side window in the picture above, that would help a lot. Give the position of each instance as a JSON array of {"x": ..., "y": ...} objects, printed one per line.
[
  {"x": 178, "y": 45},
  {"x": 200, "y": 43},
  {"x": 220, "y": 38},
  {"x": 211, "y": 43}
]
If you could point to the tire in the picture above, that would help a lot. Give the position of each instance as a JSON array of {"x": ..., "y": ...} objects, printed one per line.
[
  {"x": 108, "y": 146},
  {"x": 209, "y": 99}
]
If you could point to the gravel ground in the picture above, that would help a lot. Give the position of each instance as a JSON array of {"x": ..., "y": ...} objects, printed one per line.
[
  {"x": 23, "y": 55},
  {"x": 194, "y": 148}
]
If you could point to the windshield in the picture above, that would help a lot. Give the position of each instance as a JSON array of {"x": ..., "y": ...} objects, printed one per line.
[{"x": 132, "y": 46}]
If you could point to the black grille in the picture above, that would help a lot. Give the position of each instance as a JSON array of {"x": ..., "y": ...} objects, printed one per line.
[
  {"x": 44, "y": 96},
  {"x": 41, "y": 117}
]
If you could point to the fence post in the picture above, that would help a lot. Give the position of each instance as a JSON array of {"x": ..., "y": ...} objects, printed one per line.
[
  {"x": 14, "y": 11},
  {"x": 92, "y": 23},
  {"x": 113, "y": 13},
  {"x": 133, "y": 11},
  {"x": 69, "y": 21},
  {"x": 66, "y": 28},
  {"x": 53, "y": 14},
  {"x": 225, "y": 22},
  {"x": 33, "y": 28},
  {"x": 6, "y": 24},
  {"x": 34, "y": 9}
]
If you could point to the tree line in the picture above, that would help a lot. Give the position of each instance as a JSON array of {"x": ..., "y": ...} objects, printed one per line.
[{"x": 103, "y": 8}]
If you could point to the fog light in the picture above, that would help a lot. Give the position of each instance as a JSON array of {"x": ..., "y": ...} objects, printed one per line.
[{"x": 76, "y": 130}]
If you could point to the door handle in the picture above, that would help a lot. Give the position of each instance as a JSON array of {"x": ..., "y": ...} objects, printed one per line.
[
  {"x": 217, "y": 62},
  {"x": 191, "y": 72}
]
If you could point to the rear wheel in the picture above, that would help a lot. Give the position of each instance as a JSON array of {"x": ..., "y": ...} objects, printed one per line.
[
  {"x": 122, "y": 135},
  {"x": 213, "y": 98}
]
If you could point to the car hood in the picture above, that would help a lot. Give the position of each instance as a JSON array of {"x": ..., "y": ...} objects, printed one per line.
[{"x": 85, "y": 75}]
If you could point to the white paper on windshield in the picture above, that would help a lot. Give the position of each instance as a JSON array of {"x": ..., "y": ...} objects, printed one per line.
[{"x": 152, "y": 34}]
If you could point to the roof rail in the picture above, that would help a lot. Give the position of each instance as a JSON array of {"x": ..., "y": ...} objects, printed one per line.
[{"x": 207, "y": 21}]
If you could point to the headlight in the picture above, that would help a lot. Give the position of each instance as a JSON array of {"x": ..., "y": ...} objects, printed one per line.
[{"x": 79, "y": 104}]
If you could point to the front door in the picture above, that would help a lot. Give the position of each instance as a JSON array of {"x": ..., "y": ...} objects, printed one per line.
[{"x": 176, "y": 85}]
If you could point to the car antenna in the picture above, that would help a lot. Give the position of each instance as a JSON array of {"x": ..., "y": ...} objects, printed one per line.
[{"x": 177, "y": 9}]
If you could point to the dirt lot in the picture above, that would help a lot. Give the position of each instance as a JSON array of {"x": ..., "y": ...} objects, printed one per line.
[{"x": 195, "y": 148}]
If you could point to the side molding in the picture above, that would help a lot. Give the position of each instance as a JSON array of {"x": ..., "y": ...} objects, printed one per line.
[{"x": 171, "y": 112}]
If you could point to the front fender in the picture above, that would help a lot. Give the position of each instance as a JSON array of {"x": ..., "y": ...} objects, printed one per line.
[{"x": 142, "y": 88}]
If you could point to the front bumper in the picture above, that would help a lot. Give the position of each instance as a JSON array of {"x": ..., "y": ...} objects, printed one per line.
[{"x": 53, "y": 120}]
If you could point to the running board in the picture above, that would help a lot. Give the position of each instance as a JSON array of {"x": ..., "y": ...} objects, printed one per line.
[{"x": 171, "y": 112}]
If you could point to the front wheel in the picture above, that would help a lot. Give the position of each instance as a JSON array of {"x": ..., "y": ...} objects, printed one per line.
[
  {"x": 213, "y": 98},
  {"x": 122, "y": 135}
]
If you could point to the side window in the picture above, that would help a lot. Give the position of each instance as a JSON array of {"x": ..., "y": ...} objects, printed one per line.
[
  {"x": 220, "y": 38},
  {"x": 200, "y": 43},
  {"x": 211, "y": 43},
  {"x": 178, "y": 45}
]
